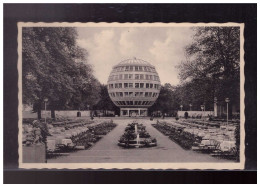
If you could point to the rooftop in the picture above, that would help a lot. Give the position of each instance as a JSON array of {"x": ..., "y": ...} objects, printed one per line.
[{"x": 134, "y": 61}]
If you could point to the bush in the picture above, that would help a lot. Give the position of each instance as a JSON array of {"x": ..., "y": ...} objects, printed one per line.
[{"x": 184, "y": 139}]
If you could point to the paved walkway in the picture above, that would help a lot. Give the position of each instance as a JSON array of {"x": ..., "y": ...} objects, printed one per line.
[{"x": 107, "y": 150}]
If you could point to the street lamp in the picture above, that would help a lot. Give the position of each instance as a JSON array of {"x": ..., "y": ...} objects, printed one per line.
[
  {"x": 45, "y": 101},
  {"x": 190, "y": 106},
  {"x": 181, "y": 107},
  {"x": 203, "y": 109},
  {"x": 227, "y": 101},
  {"x": 215, "y": 107}
]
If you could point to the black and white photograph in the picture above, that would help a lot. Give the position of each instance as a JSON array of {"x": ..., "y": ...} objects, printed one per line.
[{"x": 131, "y": 95}]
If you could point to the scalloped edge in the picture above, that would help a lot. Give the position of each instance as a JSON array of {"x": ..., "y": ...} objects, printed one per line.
[{"x": 135, "y": 166}]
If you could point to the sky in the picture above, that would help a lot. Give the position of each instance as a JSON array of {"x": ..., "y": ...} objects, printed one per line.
[{"x": 162, "y": 47}]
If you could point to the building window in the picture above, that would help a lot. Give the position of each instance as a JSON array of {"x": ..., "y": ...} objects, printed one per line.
[
  {"x": 116, "y": 85},
  {"x": 111, "y": 86},
  {"x": 130, "y": 94},
  {"x": 120, "y": 77},
  {"x": 151, "y": 85},
  {"x": 126, "y": 94},
  {"x": 146, "y": 94},
  {"x": 147, "y": 85},
  {"x": 121, "y": 94},
  {"x": 130, "y": 85},
  {"x": 131, "y": 68},
  {"x": 130, "y": 76},
  {"x": 120, "y": 85},
  {"x": 136, "y": 76},
  {"x": 151, "y": 77},
  {"x": 141, "y": 94},
  {"x": 125, "y": 85},
  {"x": 127, "y": 68},
  {"x": 141, "y": 76},
  {"x": 141, "y": 85},
  {"x": 126, "y": 76},
  {"x": 136, "y": 85},
  {"x": 147, "y": 77}
]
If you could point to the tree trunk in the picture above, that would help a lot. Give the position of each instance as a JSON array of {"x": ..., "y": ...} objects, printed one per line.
[
  {"x": 39, "y": 112},
  {"x": 53, "y": 113}
]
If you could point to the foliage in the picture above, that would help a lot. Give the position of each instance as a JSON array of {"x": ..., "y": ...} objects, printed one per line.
[
  {"x": 105, "y": 103},
  {"x": 54, "y": 67},
  {"x": 212, "y": 66},
  {"x": 167, "y": 101}
]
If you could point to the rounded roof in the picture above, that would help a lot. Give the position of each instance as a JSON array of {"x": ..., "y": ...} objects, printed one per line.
[{"x": 134, "y": 61}]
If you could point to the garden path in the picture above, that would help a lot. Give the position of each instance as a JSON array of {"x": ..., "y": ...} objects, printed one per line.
[{"x": 107, "y": 150}]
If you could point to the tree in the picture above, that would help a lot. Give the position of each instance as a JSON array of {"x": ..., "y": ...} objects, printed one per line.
[
  {"x": 86, "y": 87},
  {"x": 51, "y": 61},
  {"x": 167, "y": 101},
  {"x": 213, "y": 64},
  {"x": 105, "y": 103}
]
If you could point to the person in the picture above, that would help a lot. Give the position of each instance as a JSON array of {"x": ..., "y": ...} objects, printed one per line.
[
  {"x": 186, "y": 115},
  {"x": 177, "y": 117},
  {"x": 151, "y": 119}
]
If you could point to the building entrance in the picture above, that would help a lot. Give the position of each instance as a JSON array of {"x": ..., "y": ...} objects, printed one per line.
[{"x": 133, "y": 112}]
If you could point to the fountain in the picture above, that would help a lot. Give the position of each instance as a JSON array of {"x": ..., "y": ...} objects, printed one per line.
[
  {"x": 137, "y": 141},
  {"x": 136, "y": 136}
]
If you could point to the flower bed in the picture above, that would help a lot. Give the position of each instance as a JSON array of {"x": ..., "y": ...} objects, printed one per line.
[
  {"x": 62, "y": 137},
  {"x": 136, "y": 136},
  {"x": 184, "y": 139},
  {"x": 93, "y": 134},
  {"x": 202, "y": 139}
]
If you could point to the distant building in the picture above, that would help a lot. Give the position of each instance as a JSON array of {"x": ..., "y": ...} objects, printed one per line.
[{"x": 133, "y": 85}]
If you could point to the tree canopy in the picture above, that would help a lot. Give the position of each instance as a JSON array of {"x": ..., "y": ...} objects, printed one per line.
[
  {"x": 212, "y": 68},
  {"x": 105, "y": 103},
  {"x": 54, "y": 67}
]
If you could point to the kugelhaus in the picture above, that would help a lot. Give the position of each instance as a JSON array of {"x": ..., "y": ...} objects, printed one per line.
[{"x": 133, "y": 85}]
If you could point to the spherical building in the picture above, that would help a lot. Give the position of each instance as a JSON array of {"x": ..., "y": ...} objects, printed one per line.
[{"x": 133, "y": 85}]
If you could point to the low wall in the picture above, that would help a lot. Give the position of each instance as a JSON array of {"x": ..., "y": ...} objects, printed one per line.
[
  {"x": 66, "y": 113},
  {"x": 195, "y": 113}
]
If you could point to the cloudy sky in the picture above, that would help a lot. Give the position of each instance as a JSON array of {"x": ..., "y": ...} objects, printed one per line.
[{"x": 163, "y": 47}]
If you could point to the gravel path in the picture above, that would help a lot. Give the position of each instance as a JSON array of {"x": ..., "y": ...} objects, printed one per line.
[{"x": 107, "y": 150}]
